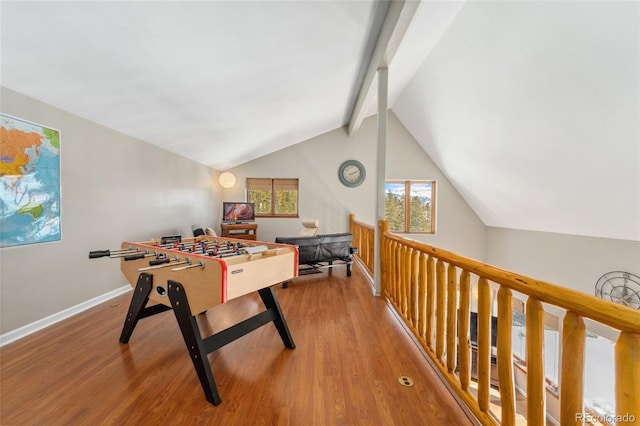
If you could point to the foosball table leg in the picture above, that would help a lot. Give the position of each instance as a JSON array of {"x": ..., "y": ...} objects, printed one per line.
[
  {"x": 136, "y": 307},
  {"x": 271, "y": 303},
  {"x": 193, "y": 340}
]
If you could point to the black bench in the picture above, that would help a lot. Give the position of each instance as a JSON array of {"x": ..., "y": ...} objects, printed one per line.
[{"x": 321, "y": 251}]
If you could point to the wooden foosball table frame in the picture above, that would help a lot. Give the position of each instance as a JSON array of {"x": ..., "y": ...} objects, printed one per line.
[{"x": 190, "y": 277}]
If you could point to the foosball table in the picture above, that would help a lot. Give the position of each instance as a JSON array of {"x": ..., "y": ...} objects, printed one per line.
[{"x": 192, "y": 275}]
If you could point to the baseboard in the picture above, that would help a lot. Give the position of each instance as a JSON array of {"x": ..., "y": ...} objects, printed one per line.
[
  {"x": 28, "y": 329},
  {"x": 365, "y": 272}
]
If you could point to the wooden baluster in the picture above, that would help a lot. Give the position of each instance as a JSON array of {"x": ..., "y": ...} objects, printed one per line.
[
  {"x": 484, "y": 343},
  {"x": 399, "y": 276},
  {"x": 627, "y": 353},
  {"x": 405, "y": 271},
  {"x": 431, "y": 300},
  {"x": 535, "y": 363},
  {"x": 360, "y": 242},
  {"x": 388, "y": 254},
  {"x": 408, "y": 277},
  {"x": 352, "y": 225},
  {"x": 387, "y": 265},
  {"x": 403, "y": 280},
  {"x": 363, "y": 250},
  {"x": 386, "y": 272},
  {"x": 505, "y": 358},
  {"x": 401, "y": 250},
  {"x": 368, "y": 243},
  {"x": 452, "y": 314},
  {"x": 422, "y": 296},
  {"x": 441, "y": 296},
  {"x": 464, "y": 348},
  {"x": 372, "y": 249},
  {"x": 572, "y": 369},
  {"x": 396, "y": 273},
  {"x": 414, "y": 287},
  {"x": 383, "y": 267}
]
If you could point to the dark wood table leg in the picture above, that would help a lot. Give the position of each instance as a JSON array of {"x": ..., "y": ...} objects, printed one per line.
[
  {"x": 193, "y": 340},
  {"x": 271, "y": 303}
]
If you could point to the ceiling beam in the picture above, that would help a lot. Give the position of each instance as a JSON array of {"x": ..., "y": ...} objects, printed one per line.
[{"x": 394, "y": 27}]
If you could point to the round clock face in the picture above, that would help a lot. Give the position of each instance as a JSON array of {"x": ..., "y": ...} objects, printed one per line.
[{"x": 351, "y": 173}]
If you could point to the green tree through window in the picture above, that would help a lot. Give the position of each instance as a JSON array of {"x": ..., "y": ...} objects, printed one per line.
[
  {"x": 273, "y": 197},
  {"x": 409, "y": 206}
]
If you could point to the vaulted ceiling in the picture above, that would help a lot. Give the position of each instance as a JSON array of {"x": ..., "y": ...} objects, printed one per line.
[{"x": 531, "y": 109}]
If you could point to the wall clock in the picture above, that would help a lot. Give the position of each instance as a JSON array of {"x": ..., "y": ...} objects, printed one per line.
[
  {"x": 351, "y": 173},
  {"x": 620, "y": 287}
]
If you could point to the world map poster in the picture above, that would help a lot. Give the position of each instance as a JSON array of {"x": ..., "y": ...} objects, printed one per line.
[{"x": 29, "y": 182}]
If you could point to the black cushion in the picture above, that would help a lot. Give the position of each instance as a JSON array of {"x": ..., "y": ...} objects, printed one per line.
[
  {"x": 334, "y": 246},
  {"x": 321, "y": 248}
]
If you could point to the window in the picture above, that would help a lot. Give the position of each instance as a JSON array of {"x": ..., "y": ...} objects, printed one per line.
[
  {"x": 414, "y": 213},
  {"x": 273, "y": 197}
]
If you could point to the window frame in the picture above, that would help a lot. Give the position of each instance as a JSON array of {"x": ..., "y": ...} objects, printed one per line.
[
  {"x": 274, "y": 184},
  {"x": 407, "y": 205}
]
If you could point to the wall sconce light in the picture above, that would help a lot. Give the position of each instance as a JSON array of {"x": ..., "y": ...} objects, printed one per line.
[{"x": 227, "y": 180}]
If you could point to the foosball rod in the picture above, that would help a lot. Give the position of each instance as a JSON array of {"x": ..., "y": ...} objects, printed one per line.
[
  {"x": 196, "y": 243},
  {"x": 137, "y": 256},
  {"x": 200, "y": 264},
  {"x": 187, "y": 261},
  {"x": 112, "y": 253},
  {"x": 215, "y": 252},
  {"x": 183, "y": 244}
]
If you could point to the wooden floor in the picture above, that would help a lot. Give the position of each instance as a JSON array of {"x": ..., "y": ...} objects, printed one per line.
[{"x": 350, "y": 352}]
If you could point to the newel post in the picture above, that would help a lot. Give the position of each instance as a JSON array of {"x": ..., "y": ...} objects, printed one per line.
[{"x": 383, "y": 226}]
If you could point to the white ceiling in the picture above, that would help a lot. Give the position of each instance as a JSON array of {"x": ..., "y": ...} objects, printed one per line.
[
  {"x": 531, "y": 109},
  {"x": 195, "y": 78}
]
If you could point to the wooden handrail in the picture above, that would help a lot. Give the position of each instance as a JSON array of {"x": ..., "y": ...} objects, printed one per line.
[
  {"x": 614, "y": 315},
  {"x": 430, "y": 288}
]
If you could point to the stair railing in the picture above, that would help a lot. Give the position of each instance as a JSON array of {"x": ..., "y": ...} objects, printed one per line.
[{"x": 430, "y": 289}]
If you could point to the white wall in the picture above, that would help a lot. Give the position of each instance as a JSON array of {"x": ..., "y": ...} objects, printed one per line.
[
  {"x": 568, "y": 260},
  {"x": 458, "y": 228},
  {"x": 315, "y": 162},
  {"x": 117, "y": 188},
  {"x": 114, "y": 188}
]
